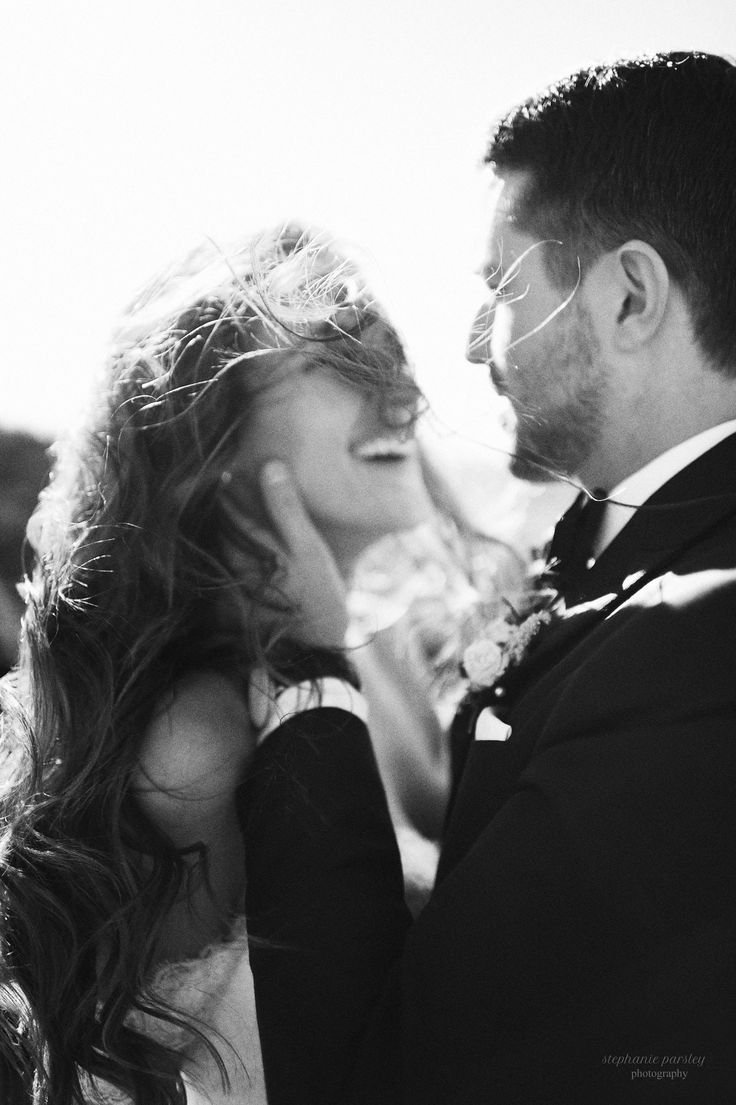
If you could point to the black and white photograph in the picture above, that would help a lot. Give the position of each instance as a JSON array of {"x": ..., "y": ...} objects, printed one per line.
[{"x": 368, "y": 553}]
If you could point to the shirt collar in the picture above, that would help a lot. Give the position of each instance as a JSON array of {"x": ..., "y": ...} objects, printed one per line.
[{"x": 641, "y": 485}]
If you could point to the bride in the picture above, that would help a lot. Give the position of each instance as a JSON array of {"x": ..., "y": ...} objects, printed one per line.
[{"x": 126, "y": 727}]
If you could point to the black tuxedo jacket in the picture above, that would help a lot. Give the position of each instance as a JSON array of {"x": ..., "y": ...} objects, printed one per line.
[{"x": 581, "y": 939}]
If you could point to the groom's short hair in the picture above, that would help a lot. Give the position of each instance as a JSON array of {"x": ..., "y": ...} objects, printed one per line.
[{"x": 644, "y": 148}]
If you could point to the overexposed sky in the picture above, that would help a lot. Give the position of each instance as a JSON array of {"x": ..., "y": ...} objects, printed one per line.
[{"x": 133, "y": 128}]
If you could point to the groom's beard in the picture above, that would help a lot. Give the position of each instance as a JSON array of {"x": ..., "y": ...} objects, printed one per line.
[{"x": 559, "y": 396}]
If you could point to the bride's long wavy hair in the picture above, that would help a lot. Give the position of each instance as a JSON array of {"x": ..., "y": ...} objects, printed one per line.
[{"x": 131, "y": 566}]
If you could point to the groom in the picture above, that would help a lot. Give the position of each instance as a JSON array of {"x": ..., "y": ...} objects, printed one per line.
[{"x": 581, "y": 938}]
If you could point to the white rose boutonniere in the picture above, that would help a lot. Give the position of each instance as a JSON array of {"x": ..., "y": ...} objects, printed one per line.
[
  {"x": 485, "y": 659},
  {"x": 502, "y": 644}
]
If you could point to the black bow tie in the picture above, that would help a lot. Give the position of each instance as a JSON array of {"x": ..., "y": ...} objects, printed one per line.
[{"x": 571, "y": 546}]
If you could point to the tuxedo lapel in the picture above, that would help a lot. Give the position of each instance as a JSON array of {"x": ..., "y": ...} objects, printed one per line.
[
  {"x": 678, "y": 516},
  {"x": 553, "y": 643},
  {"x": 682, "y": 514}
]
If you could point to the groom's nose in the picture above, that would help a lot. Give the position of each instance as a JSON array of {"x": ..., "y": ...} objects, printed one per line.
[{"x": 478, "y": 349}]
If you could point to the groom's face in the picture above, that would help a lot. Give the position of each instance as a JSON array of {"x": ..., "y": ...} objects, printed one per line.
[{"x": 539, "y": 343}]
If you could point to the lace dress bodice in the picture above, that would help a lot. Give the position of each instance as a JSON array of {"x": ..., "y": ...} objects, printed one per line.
[{"x": 215, "y": 991}]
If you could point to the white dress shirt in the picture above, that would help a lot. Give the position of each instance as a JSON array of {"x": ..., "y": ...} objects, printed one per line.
[{"x": 641, "y": 485}]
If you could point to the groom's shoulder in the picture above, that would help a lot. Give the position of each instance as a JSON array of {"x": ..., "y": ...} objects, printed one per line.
[
  {"x": 686, "y": 597},
  {"x": 676, "y": 627},
  {"x": 665, "y": 660}
]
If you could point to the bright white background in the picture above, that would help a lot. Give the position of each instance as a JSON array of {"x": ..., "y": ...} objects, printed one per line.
[{"x": 131, "y": 128}]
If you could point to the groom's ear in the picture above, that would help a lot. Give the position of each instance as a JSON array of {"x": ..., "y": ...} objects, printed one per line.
[
  {"x": 642, "y": 291},
  {"x": 629, "y": 292}
]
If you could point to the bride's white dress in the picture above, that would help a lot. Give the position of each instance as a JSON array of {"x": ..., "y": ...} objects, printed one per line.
[{"x": 216, "y": 991}]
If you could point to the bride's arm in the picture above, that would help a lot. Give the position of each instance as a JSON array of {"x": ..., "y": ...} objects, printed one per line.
[
  {"x": 324, "y": 896},
  {"x": 324, "y": 900}
]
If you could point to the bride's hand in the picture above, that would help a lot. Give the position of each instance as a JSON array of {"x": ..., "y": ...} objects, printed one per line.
[
  {"x": 308, "y": 573},
  {"x": 307, "y": 577}
]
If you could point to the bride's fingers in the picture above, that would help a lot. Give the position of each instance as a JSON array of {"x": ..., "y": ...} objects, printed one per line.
[
  {"x": 261, "y": 693},
  {"x": 258, "y": 534},
  {"x": 291, "y": 527},
  {"x": 285, "y": 508},
  {"x": 312, "y": 581}
]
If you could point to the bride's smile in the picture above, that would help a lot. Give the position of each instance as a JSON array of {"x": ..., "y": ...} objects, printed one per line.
[{"x": 355, "y": 462}]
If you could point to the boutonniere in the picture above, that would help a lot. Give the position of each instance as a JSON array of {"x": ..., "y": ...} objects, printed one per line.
[{"x": 505, "y": 641}]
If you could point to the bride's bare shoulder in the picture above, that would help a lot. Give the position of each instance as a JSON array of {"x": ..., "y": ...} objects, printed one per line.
[
  {"x": 192, "y": 759},
  {"x": 198, "y": 740}
]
